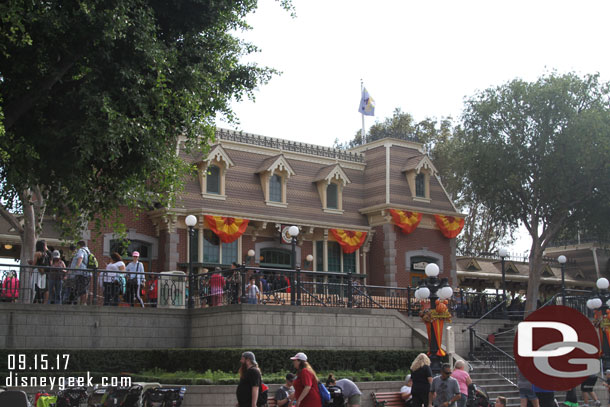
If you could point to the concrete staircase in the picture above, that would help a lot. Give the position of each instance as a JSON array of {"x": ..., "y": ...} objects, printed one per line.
[{"x": 484, "y": 375}]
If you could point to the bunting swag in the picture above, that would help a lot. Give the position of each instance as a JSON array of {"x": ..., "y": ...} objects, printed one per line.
[
  {"x": 450, "y": 226},
  {"x": 405, "y": 220},
  {"x": 227, "y": 229},
  {"x": 349, "y": 240}
]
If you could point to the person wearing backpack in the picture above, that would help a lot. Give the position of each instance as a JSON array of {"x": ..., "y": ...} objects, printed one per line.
[
  {"x": 250, "y": 381},
  {"x": 135, "y": 280},
  {"x": 79, "y": 264},
  {"x": 306, "y": 385}
]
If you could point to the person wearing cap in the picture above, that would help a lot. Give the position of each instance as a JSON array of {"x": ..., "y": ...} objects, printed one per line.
[
  {"x": 56, "y": 278},
  {"x": 135, "y": 279},
  {"x": 405, "y": 391},
  {"x": 306, "y": 391},
  {"x": 249, "y": 381},
  {"x": 285, "y": 394}
]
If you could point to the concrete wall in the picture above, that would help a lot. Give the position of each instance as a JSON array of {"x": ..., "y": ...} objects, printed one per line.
[{"x": 240, "y": 326}]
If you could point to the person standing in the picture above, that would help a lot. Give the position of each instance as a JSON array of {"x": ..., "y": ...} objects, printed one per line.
[
  {"x": 349, "y": 390},
  {"x": 56, "y": 278},
  {"x": 463, "y": 379},
  {"x": 135, "y": 279},
  {"x": 217, "y": 285},
  {"x": 586, "y": 388},
  {"x": 445, "y": 390},
  {"x": 285, "y": 394},
  {"x": 252, "y": 291},
  {"x": 421, "y": 375},
  {"x": 306, "y": 391},
  {"x": 81, "y": 277},
  {"x": 526, "y": 393},
  {"x": 249, "y": 381},
  {"x": 38, "y": 279},
  {"x": 111, "y": 280}
]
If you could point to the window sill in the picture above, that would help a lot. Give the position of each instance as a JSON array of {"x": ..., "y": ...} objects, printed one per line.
[
  {"x": 420, "y": 199},
  {"x": 333, "y": 211},
  {"x": 214, "y": 196},
  {"x": 276, "y": 204}
]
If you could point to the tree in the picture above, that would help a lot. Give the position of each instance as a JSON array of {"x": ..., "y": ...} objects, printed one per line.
[
  {"x": 481, "y": 233},
  {"x": 539, "y": 153},
  {"x": 97, "y": 94}
]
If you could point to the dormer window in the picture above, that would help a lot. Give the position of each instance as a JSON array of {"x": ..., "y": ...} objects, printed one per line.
[
  {"x": 213, "y": 180},
  {"x": 420, "y": 185},
  {"x": 275, "y": 188},
  {"x": 330, "y": 182},
  {"x": 332, "y": 196},
  {"x": 274, "y": 173},
  {"x": 419, "y": 170},
  {"x": 212, "y": 172}
]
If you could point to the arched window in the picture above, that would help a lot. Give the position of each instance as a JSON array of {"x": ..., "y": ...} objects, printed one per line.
[
  {"x": 332, "y": 196},
  {"x": 213, "y": 180},
  {"x": 275, "y": 188}
]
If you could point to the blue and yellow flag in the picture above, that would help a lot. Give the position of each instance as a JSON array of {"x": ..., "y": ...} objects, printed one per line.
[{"x": 367, "y": 104}]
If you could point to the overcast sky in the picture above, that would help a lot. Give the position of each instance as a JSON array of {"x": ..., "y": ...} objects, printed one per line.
[{"x": 424, "y": 57}]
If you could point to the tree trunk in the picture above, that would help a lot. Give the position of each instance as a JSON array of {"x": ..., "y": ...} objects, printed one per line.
[
  {"x": 28, "y": 247},
  {"x": 533, "y": 286}
]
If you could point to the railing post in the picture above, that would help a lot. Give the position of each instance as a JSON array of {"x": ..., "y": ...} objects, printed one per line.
[
  {"x": 94, "y": 299},
  {"x": 409, "y": 301},
  {"x": 350, "y": 302},
  {"x": 293, "y": 289},
  {"x": 298, "y": 286},
  {"x": 242, "y": 278},
  {"x": 471, "y": 352}
]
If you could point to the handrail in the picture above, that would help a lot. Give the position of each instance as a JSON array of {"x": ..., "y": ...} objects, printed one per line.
[
  {"x": 494, "y": 347},
  {"x": 368, "y": 296},
  {"x": 483, "y": 317},
  {"x": 311, "y": 295}
]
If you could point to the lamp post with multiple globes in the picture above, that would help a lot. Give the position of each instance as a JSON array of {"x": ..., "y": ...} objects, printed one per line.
[
  {"x": 600, "y": 304},
  {"x": 191, "y": 221},
  {"x": 434, "y": 288}
]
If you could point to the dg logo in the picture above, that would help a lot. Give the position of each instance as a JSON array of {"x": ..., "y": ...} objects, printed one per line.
[{"x": 557, "y": 348}]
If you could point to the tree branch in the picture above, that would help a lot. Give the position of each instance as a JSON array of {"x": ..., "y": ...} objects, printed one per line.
[{"x": 11, "y": 219}]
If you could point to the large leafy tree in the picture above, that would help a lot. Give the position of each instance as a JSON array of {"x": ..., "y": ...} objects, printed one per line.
[
  {"x": 442, "y": 139},
  {"x": 538, "y": 153},
  {"x": 96, "y": 95}
]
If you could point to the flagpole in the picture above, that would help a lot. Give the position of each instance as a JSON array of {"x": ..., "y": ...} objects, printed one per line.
[{"x": 362, "y": 113}]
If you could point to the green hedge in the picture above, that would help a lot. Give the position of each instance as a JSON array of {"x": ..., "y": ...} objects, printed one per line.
[{"x": 225, "y": 360}]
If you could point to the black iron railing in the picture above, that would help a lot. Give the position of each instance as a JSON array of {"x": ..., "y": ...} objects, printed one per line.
[{"x": 492, "y": 356}]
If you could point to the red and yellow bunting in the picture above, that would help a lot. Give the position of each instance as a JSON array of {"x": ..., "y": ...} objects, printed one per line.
[
  {"x": 349, "y": 240},
  {"x": 227, "y": 229},
  {"x": 450, "y": 226},
  {"x": 405, "y": 220}
]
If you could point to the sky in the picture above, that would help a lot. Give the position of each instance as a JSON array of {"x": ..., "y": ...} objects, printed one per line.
[{"x": 423, "y": 57}]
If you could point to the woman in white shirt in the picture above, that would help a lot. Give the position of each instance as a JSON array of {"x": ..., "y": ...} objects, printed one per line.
[
  {"x": 405, "y": 391},
  {"x": 112, "y": 280}
]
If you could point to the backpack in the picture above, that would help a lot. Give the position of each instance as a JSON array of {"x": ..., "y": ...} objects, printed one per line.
[
  {"x": 92, "y": 262},
  {"x": 263, "y": 395},
  {"x": 324, "y": 393}
]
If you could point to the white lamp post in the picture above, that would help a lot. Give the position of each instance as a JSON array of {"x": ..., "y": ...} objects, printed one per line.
[{"x": 191, "y": 221}]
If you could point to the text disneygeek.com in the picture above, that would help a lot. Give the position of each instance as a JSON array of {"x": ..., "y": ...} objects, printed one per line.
[{"x": 63, "y": 382}]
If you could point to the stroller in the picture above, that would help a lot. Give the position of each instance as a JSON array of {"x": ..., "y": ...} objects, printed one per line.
[
  {"x": 123, "y": 396},
  {"x": 477, "y": 397},
  {"x": 72, "y": 397},
  {"x": 336, "y": 397},
  {"x": 164, "y": 397}
]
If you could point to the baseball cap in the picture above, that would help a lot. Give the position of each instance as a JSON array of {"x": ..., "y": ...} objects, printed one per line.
[
  {"x": 607, "y": 371},
  {"x": 291, "y": 377},
  {"x": 299, "y": 356},
  {"x": 134, "y": 254},
  {"x": 56, "y": 254},
  {"x": 249, "y": 355}
]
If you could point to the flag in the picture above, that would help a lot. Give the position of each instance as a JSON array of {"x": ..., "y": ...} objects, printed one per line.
[{"x": 367, "y": 104}]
